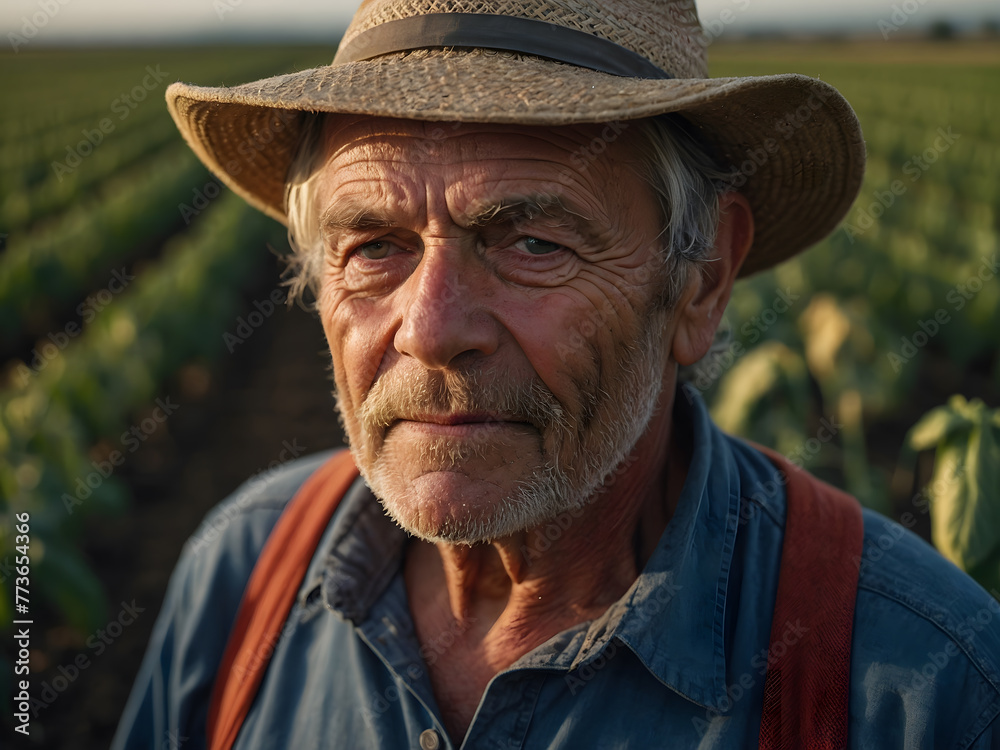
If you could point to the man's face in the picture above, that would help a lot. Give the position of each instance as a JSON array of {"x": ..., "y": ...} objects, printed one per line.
[{"x": 489, "y": 297}]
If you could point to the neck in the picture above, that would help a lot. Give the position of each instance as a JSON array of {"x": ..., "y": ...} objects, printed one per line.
[{"x": 519, "y": 591}]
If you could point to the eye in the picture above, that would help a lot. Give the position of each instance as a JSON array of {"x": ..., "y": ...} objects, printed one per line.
[
  {"x": 535, "y": 246},
  {"x": 376, "y": 250}
]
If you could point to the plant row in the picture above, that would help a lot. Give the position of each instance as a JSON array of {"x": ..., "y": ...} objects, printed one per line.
[
  {"x": 66, "y": 429},
  {"x": 53, "y": 266},
  {"x": 35, "y": 154},
  {"x": 69, "y": 181}
]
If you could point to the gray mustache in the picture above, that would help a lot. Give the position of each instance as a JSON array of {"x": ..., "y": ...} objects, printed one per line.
[{"x": 408, "y": 395}]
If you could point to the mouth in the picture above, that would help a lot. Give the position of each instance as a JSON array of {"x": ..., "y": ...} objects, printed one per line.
[{"x": 463, "y": 424}]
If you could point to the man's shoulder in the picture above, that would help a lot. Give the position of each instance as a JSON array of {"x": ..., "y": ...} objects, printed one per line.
[
  {"x": 218, "y": 559},
  {"x": 201, "y": 603},
  {"x": 926, "y": 637},
  {"x": 250, "y": 512},
  {"x": 898, "y": 571},
  {"x": 896, "y": 565},
  {"x": 926, "y": 634}
]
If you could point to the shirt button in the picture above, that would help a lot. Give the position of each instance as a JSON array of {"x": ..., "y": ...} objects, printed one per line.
[{"x": 429, "y": 740}]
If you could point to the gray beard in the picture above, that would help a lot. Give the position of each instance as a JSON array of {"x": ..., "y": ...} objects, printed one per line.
[{"x": 614, "y": 419}]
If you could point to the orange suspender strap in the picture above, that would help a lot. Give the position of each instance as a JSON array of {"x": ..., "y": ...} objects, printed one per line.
[
  {"x": 807, "y": 685},
  {"x": 270, "y": 593}
]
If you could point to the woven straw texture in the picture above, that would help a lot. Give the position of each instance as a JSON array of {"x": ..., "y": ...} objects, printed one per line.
[
  {"x": 635, "y": 24},
  {"x": 795, "y": 140}
]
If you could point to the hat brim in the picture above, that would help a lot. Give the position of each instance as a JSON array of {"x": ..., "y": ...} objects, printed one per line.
[{"x": 795, "y": 141}]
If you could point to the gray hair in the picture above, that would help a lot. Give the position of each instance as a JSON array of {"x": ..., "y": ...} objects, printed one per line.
[
  {"x": 685, "y": 179},
  {"x": 687, "y": 183},
  {"x": 304, "y": 236}
]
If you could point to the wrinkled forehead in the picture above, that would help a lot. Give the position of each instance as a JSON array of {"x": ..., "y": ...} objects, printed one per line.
[
  {"x": 578, "y": 146},
  {"x": 471, "y": 166}
]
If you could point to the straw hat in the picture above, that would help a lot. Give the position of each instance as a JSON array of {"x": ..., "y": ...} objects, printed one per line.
[{"x": 795, "y": 141}]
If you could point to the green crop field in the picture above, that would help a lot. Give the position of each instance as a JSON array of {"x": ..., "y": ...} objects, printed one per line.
[
  {"x": 107, "y": 284},
  {"x": 123, "y": 263},
  {"x": 896, "y": 312}
]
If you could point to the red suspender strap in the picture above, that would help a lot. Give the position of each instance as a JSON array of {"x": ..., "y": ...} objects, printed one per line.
[
  {"x": 809, "y": 660},
  {"x": 270, "y": 593}
]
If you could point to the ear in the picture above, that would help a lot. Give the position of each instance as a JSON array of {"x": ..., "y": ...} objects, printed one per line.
[{"x": 706, "y": 295}]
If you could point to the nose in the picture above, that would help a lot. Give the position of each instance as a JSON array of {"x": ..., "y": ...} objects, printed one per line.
[{"x": 443, "y": 316}]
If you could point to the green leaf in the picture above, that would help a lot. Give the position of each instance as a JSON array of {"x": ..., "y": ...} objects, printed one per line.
[
  {"x": 965, "y": 491},
  {"x": 934, "y": 427},
  {"x": 768, "y": 379}
]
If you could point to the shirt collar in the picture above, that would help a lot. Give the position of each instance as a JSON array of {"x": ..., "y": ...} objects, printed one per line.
[
  {"x": 364, "y": 553},
  {"x": 673, "y": 616}
]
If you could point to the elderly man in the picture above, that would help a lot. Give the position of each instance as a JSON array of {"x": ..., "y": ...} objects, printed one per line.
[{"x": 518, "y": 221}]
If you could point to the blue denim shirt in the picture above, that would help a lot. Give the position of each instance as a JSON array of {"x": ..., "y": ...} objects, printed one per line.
[{"x": 679, "y": 661}]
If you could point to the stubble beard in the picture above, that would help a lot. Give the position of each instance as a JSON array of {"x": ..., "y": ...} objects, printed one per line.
[{"x": 596, "y": 441}]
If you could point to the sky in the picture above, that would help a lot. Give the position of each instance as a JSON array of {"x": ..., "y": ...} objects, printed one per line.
[{"x": 58, "y": 21}]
